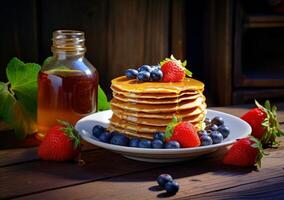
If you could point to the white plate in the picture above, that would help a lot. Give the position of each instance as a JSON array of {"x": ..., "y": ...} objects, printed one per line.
[{"x": 238, "y": 128}]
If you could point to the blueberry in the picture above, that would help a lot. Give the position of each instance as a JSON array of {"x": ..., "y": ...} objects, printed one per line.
[
  {"x": 131, "y": 73},
  {"x": 217, "y": 120},
  {"x": 207, "y": 121},
  {"x": 98, "y": 130},
  {"x": 224, "y": 130},
  {"x": 145, "y": 143},
  {"x": 163, "y": 179},
  {"x": 159, "y": 136},
  {"x": 157, "y": 144},
  {"x": 134, "y": 142},
  {"x": 156, "y": 74},
  {"x": 171, "y": 187},
  {"x": 216, "y": 137},
  {"x": 156, "y": 67},
  {"x": 105, "y": 137},
  {"x": 206, "y": 140},
  {"x": 201, "y": 133},
  {"x": 146, "y": 68},
  {"x": 211, "y": 127},
  {"x": 172, "y": 145},
  {"x": 119, "y": 139},
  {"x": 143, "y": 76}
]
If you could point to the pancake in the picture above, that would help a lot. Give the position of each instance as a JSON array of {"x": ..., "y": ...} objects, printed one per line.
[
  {"x": 169, "y": 115},
  {"x": 156, "y": 101},
  {"x": 152, "y": 108}
]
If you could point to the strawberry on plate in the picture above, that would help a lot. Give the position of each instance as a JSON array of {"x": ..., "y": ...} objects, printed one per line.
[
  {"x": 60, "y": 143},
  {"x": 264, "y": 124},
  {"x": 183, "y": 132},
  {"x": 173, "y": 70},
  {"x": 245, "y": 152}
]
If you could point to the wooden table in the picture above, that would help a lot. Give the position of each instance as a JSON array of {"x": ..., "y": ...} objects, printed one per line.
[{"x": 110, "y": 176}]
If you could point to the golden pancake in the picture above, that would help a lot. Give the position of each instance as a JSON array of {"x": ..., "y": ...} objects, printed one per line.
[
  {"x": 159, "y": 122},
  {"x": 134, "y": 86},
  {"x": 155, "y": 101},
  {"x": 137, "y": 107},
  {"x": 169, "y": 115}
]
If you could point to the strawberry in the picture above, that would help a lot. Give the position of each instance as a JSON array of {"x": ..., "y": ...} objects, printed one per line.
[
  {"x": 60, "y": 143},
  {"x": 245, "y": 152},
  {"x": 173, "y": 70},
  {"x": 264, "y": 124},
  {"x": 183, "y": 132}
]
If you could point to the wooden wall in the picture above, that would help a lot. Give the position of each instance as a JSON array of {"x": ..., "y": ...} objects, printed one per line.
[{"x": 119, "y": 33}]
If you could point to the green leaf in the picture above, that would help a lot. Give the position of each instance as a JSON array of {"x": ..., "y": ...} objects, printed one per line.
[
  {"x": 103, "y": 103},
  {"x": 23, "y": 80},
  {"x": 47, "y": 60},
  {"x": 7, "y": 102}
]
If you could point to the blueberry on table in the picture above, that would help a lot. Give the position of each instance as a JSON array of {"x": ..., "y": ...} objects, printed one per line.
[
  {"x": 172, "y": 187},
  {"x": 145, "y": 143},
  {"x": 119, "y": 139},
  {"x": 163, "y": 179},
  {"x": 159, "y": 136},
  {"x": 224, "y": 130},
  {"x": 157, "y": 144},
  {"x": 145, "y": 68},
  {"x": 201, "y": 133},
  {"x": 206, "y": 140},
  {"x": 134, "y": 142},
  {"x": 98, "y": 130},
  {"x": 216, "y": 137},
  {"x": 143, "y": 76},
  {"x": 211, "y": 127},
  {"x": 172, "y": 145},
  {"x": 131, "y": 73},
  {"x": 105, "y": 137},
  {"x": 217, "y": 120},
  {"x": 156, "y": 74}
]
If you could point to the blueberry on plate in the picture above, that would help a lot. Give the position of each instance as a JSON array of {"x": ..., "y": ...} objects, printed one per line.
[
  {"x": 143, "y": 76},
  {"x": 146, "y": 68},
  {"x": 163, "y": 179},
  {"x": 131, "y": 73},
  {"x": 207, "y": 121},
  {"x": 206, "y": 140},
  {"x": 156, "y": 74},
  {"x": 172, "y": 187},
  {"x": 216, "y": 137},
  {"x": 224, "y": 130},
  {"x": 201, "y": 133},
  {"x": 159, "y": 136},
  {"x": 119, "y": 139},
  {"x": 172, "y": 145},
  {"x": 105, "y": 137},
  {"x": 217, "y": 120},
  {"x": 145, "y": 143},
  {"x": 98, "y": 130},
  {"x": 157, "y": 144},
  {"x": 211, "y": 127},
  {"x": 134, "y": 142}
]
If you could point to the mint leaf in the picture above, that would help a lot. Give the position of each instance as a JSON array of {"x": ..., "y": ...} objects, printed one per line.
[
  {"x": 23, "y": 80},
  {"x": 7, "y": 102},
  {"x": 103, "y": 103},
  {"x": 47, "y": 60}
]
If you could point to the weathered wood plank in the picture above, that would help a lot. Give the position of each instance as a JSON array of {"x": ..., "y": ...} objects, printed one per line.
[{"x": 195, "y": 177}]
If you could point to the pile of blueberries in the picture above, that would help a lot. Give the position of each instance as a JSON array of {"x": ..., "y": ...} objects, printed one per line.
[
  {"x": 166, "y": 182},
  {"x": 215, "y": 131},
  {"x": 145, "y": 73},
  {"x": 117, "y": 138}
]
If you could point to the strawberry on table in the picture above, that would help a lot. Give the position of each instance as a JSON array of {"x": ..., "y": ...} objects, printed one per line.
[
  {"x": 61, "y": 143},
  {"x": 245, "y": 152},
  {"x": 183, "y": 132},
  {"x": 264, "y": 124},
  {"x": 173, "y": 70}
]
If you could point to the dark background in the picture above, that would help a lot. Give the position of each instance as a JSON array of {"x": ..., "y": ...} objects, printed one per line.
[{"x": 235, "y": 47}]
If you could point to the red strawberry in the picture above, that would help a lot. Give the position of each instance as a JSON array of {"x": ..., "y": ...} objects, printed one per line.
[
  {"x": 183, "y": 132},
  {"x": 60, "y": 143},
  {"x": 245, "y": 152},
  {"x": 264, "y": 124},
  {"x": 173, "y": 70}
]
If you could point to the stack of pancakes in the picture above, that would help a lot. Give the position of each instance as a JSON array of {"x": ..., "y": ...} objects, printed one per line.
[{"x": 142, "y": 108}]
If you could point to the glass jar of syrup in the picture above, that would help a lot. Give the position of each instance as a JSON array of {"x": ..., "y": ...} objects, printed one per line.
[{"x": 67, "y": 82}]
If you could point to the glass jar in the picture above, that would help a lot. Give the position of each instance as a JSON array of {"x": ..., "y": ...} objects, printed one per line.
[{"x": 67, "y": 82}]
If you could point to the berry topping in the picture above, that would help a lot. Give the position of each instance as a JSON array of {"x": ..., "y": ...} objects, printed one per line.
[
  {"x": 217, "y": 137},
  {"x": 131, "y": 73},
  {"x": 134, "y": 142},
  {"x": 159, "y": 136},
  {"x": 119, "y": 139},
  {"x": 206, "y": 140},
  {"x": 145, "y": 143},
  {"x": 157, "y": 144},
  {"x": 145, "y": 68},
  {"x": 143, "y": 76},
  {"x": 172, "y": 145}
]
